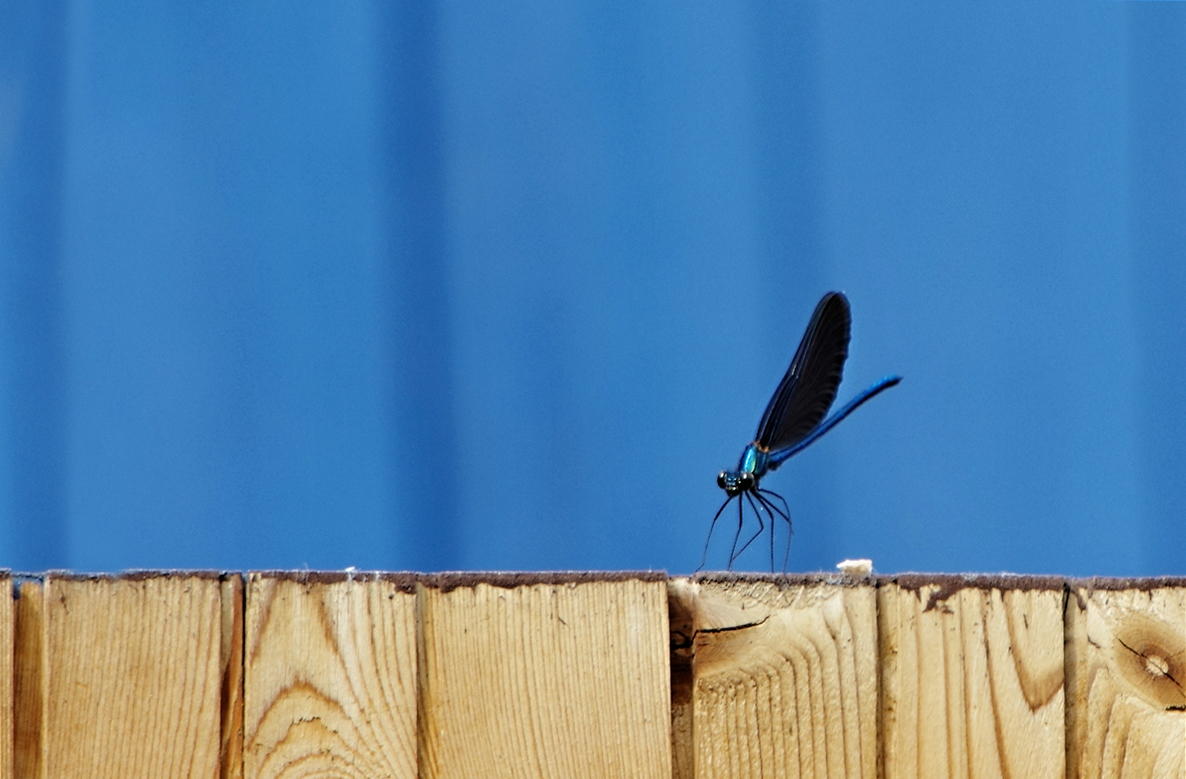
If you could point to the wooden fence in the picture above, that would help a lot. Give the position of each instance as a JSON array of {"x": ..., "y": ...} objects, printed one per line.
[{"x": 318, "y": 675}]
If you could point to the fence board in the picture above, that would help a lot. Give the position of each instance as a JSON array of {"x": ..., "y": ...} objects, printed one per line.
[
  {"x": 7, "y": 681},
  {"x": 972, "y": 677},
  {"x": 545, "y": 676},
  {"x": 330, "y": 678},
  {"x": 1126, "y": 673},
  {"x": 785, "y": 679},
  {"x": 231, "y": 654},
  {"x": 681, "y": 616},
  {"x": 132, "y": 676},
  {"x": 29, "y": 698}
]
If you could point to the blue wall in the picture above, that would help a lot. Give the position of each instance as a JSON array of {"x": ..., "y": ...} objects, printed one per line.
[{"x": 428, "y": 286}]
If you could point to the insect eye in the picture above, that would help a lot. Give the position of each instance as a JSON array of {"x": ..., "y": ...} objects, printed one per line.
[
  {"x": 722, "y": 479},
  {"x": 746, "y": 480}
]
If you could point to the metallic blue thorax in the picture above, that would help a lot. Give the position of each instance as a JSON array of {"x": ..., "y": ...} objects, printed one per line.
[
  {"x": 753, "y": 460},
  {"x": 754, "y": 464}
]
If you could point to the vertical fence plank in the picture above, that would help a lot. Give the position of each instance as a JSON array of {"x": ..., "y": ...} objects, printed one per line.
[
  {"x": 972, "y": 677},
  {"x": 133, "y": 680},
  {"x": 681, "y": 611},
  {"x": 1126, "y": 658},
  {"x": 330, "y": 677},
  {"x": 231, "y": 654},
  {"x": 545, "y": 676},
  {"x": 785, "y": 679},
  {"x": 29, "y": 682},
  {"x": 7, "y": 680}
]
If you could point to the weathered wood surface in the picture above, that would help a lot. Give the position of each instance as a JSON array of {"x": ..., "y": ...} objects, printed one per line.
[
  {"x": 132, "y": 677},
  {"x": 681, "y": 610},
  {"x": 972, "y": 677},
  {"x": 785, "y": 679},
  {"x": 330, "y": 676},
  {"x": 527, "y": 678},
  {"x": 7, "y": 678},
  {"x": 555, "y": 675},
  {"x": 28, "y": 690},
  {"x": 231, "y": 661},
  {"x": 1126, "y": 656}
]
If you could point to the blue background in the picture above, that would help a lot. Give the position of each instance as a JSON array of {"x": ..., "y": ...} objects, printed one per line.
[{"x": 414, "y": 285}]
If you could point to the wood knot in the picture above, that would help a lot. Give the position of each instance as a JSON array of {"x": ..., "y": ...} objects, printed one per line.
[{"x": 1151, "y": 657}]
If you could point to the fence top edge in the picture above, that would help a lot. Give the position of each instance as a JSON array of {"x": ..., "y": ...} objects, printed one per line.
[
  {"x": 979, "y": 581},
  {"x": 1142, "y": 583},
  {"x": 951, "y": 582},
  {"x": 907, "y": 581},
  {"x": 449, "y": 580},
  {"x": 131, "y": 575}
]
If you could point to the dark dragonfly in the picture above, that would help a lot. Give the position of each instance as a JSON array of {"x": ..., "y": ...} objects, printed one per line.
[{"x": 792, "y": 420}]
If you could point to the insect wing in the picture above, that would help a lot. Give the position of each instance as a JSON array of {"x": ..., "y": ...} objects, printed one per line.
[{"x": 809, "y": 387}]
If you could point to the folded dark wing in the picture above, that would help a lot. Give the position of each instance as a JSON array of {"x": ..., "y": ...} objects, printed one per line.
[{"x": 809, "y": 387}]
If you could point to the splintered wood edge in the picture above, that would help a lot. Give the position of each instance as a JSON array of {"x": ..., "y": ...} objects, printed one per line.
[
  {"x": 951, "y": 582},
  {"x": 447, "y": 581},
  {"x": 509, "y": 580},
  {"x": 450, "y": 580},
  {"x": 135, "y": 575}
]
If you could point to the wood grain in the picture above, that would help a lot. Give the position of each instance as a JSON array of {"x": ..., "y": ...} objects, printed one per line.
[
  {"x": 1126, "y": 658},
  {"x": 133, "y": 678},
  {"x": 681, "y": 617},
  {"x": 785, "y": 680},
  {"x": 561, "y": 679},
  {"x": 330, "y": 678},
  {"x": 305, "y": 676},
  {"x": 29, "y": 682},
  {"x": 7, "y": 691},
  {"x": 972, "y": 680},
  {"x": 231, "y": 654}
]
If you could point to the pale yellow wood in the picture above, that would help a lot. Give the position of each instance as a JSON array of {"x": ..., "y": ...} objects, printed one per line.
[
  {"x": 972, "y": 681},
  {"x": 29, "y": 682},
  {"x": 1126, "y": 653},
  {"x": 785, "y": 680},
  {"x": 7, "y": 691},
  {"x": 330, "y": 677},
  {"x": 546, "y": 680},
  {"x": 133, "y": 677}
]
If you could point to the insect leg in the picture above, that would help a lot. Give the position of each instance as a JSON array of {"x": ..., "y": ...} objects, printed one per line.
[
  {"x": 761, "y": 525},
  {"x": 785, "y": 513},
  {"x": 715, "y": 517}
]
